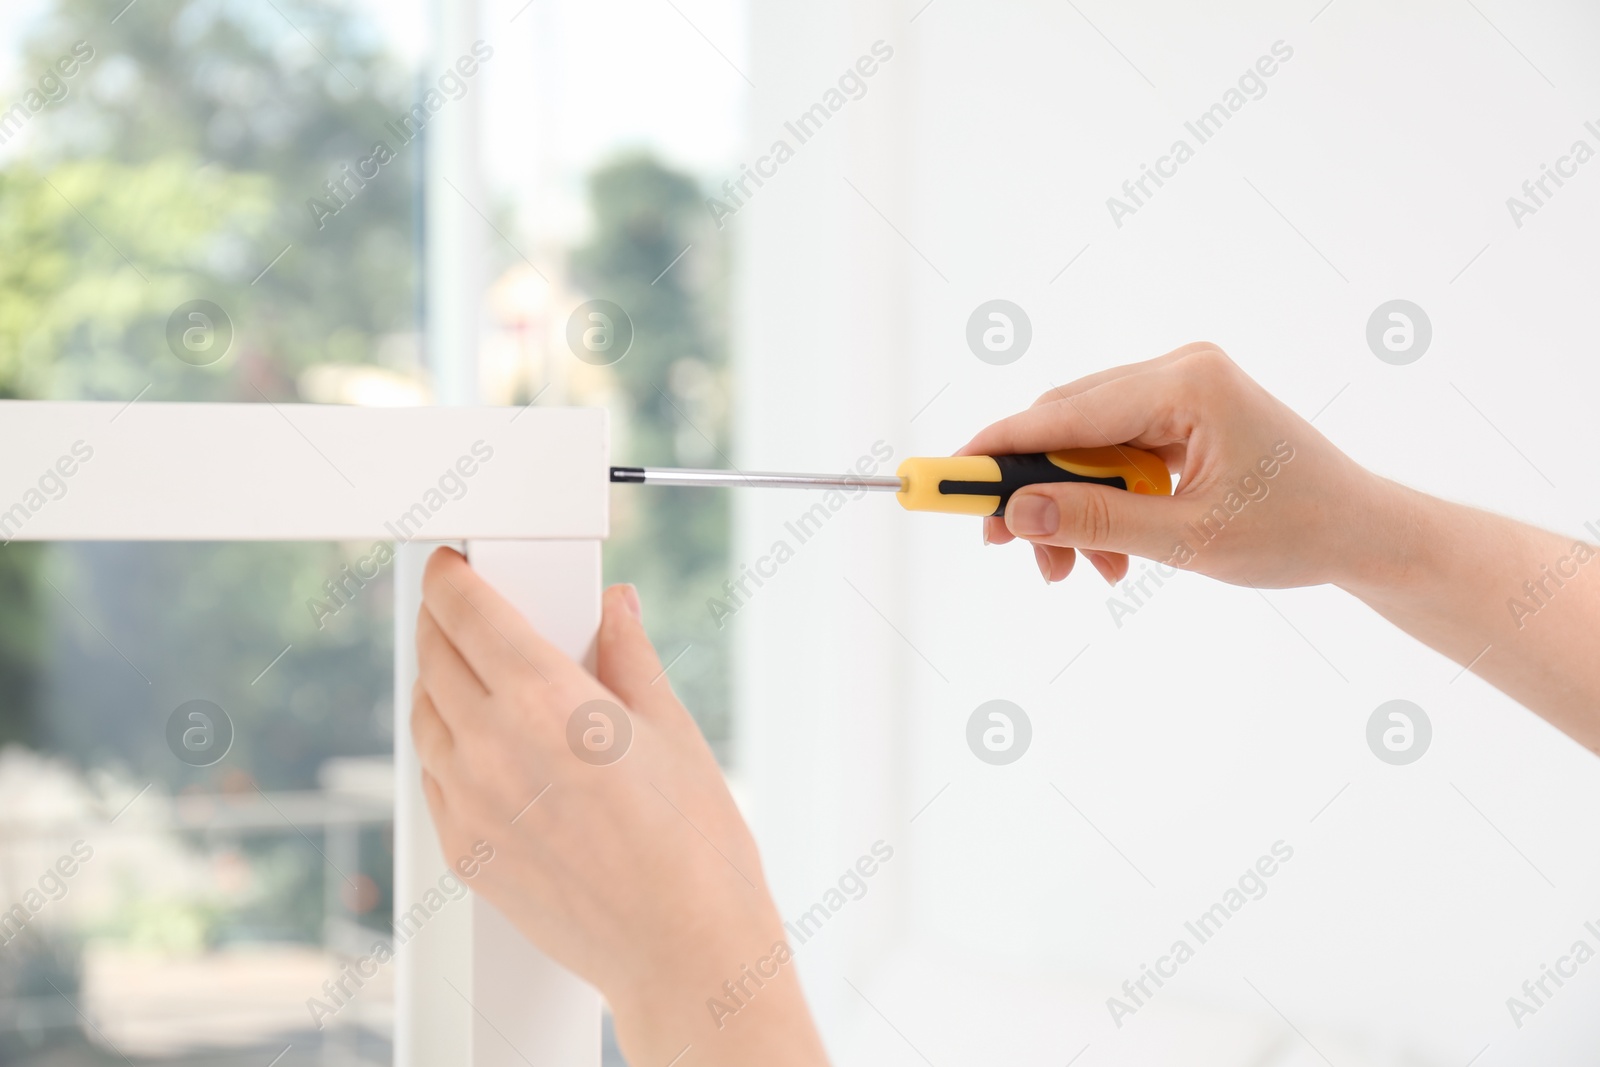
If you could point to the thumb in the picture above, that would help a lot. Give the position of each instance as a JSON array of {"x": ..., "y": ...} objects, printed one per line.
[
  {"x": 1076, "y": 515},
  {"x": 626, "y": 660}
]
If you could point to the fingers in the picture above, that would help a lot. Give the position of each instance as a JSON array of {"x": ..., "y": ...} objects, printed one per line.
[
  {"x": 627, "y": 661},
  {"x": 1054, "y": 563},
  {"x": 1113, "y": 566},
  {"x": 1089, "y": 381},
  {"x": 441, "y": 669},
  {"x": 1153, "y": 405},
  {"x": 493, "y": 638},
  {"x": 1138, "y": 404},
  {"x": 1093, "y": 517},
  {"x": 434, "y": 743},
  {"x": 1135, "y": 410},
  {"x": 434, "y": 794}
]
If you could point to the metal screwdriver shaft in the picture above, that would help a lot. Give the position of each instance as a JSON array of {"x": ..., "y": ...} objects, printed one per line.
[{"x": 751, "y": 479}]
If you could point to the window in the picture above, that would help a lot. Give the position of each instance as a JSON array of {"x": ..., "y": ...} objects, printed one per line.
[
  {"x": 155, "y": 170},
  {"x": 598, "y": 147},
  {"x": 243, "y": 203}
]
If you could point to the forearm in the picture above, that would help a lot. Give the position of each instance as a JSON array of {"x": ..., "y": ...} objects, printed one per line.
[{"x": 1519, "y": 605}]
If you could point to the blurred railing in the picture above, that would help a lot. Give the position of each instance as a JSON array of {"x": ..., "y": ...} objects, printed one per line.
[{"x": 186, "y": 1010}]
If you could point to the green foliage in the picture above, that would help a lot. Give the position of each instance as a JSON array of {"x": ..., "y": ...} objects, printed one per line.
[
  {"x": 203, "y": 621},
  {"x": 178, "y": 166},
  {"x": 196, "y": 137},
  {"x": 22, "y": 642},
  {"x": 79, "y": 320}
]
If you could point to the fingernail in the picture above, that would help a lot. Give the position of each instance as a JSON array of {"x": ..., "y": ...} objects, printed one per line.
[
  {"x": 1042, "y": 558},
  {"x": 630, "y": 600},
  {"x": 1033, "y": 516}
]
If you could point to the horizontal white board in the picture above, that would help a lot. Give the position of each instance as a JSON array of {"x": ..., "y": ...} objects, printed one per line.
[{"x": 85, "y": 471}]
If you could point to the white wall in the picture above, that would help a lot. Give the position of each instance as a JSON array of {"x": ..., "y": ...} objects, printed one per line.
[{"x": 1206, "y": 727}]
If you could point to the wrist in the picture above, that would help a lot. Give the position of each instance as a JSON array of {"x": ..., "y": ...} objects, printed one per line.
[
  {"x": 755, "y": 1013},
  {"x": 730, "y": 999},
  {"x": 1398, "y": 545}
]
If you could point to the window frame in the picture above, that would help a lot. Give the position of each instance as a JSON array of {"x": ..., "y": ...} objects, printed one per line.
[{"x": 531, "y": 522}]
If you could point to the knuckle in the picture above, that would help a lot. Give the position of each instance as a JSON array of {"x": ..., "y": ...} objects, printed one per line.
[
  {"x": 422, "y": 717},
  {"x": 1090, "y": 515},
  {"x": 1207, "y": 349},
  {"x": 1205, "y": 372},
  {"x": 530, "y": 691},
  {"x": 421, "y": 736},
  {"x": 1207, "y": 361}
]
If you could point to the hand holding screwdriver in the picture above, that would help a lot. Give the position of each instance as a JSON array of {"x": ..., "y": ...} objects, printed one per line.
[{"x": 1241, "y": 454}]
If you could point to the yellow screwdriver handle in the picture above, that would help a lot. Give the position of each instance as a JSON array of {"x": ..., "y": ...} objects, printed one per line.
[{"x": 982, "y": 485}]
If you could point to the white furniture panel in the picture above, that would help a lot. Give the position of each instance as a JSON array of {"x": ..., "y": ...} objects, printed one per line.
[
  {"x": 83, "y": 471},
  {"x": 470, "y": 988}
]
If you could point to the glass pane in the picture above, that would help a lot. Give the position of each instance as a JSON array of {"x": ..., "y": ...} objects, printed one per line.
[
  {"x": 600, "y": 150},
  {"x": 196, "y": 804},
  {"x": 185, "y": 219}
]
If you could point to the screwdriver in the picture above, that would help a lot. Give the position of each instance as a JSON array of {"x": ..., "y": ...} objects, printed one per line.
[{"x": 958, "y": 485}]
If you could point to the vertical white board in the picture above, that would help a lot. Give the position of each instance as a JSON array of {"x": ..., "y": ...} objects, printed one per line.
[{"x": 471, "y": 989}]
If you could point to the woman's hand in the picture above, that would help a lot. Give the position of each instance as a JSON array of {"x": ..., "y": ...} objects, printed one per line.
[
  {"x": 1266, "y": 500},
  {"x": 1263, "y": 499},
  {"x": 622, "y": 857}
]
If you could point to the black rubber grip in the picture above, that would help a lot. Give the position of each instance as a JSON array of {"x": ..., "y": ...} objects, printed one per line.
[{"x": 1016, "y": 472}]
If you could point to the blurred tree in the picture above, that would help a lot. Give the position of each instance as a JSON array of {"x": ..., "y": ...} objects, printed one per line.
[
  {"x": 672, "y": 543},
  {"x": 22, "y": 642},
  {"x": 179, "y": 166},
  {"x": 198, "y": 134}
]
